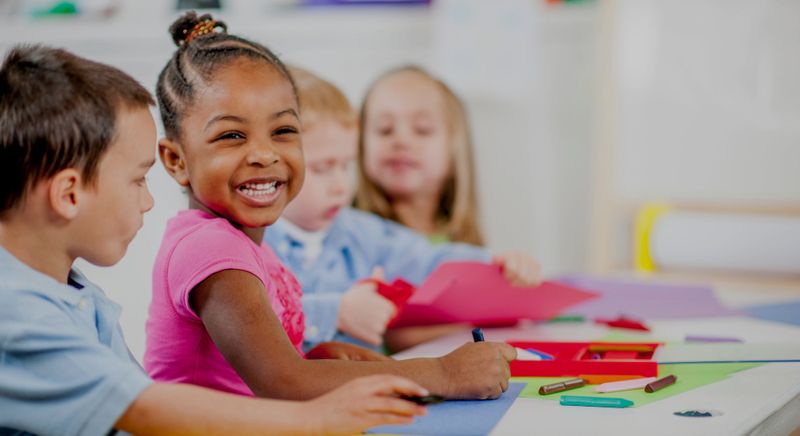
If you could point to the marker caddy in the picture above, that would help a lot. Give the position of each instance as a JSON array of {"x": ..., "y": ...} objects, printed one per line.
[{"x": 618, "y": 359}]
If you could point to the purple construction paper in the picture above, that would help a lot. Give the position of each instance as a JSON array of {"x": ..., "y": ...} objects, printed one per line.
[
  {"x": 645, "y": 300},
  {"x": 470, "y": 417}
]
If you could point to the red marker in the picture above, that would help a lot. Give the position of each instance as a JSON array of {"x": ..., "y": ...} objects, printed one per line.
[{"x": 623, "y": 323}]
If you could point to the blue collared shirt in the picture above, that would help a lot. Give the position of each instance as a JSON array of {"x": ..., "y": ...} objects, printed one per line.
[
  {"x": 356, "y": 243},
  {"x": 64, "y": 366}
]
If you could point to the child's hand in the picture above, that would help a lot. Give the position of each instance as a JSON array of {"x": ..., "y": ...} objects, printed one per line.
[
  {"x": 478, "y": 370},
  {"x": 363, "y": 403},
  {"x": 344, "y": 351},
  {"x": 519, "y": 268},
  {"x": 363, "y": 313}
]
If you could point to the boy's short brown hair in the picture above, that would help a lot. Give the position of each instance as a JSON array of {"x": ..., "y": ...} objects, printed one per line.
[
  {"x": 57, "y": 111},
  {"x": 319, "y": 98}
]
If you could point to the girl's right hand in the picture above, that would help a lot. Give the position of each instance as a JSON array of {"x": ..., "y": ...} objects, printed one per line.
[
  {"x": 363, "y": 403},
  {"x": 478, "y": 370}
]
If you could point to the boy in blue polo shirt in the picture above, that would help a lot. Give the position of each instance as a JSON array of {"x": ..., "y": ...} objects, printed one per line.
[{"x": 76, "y": 140}]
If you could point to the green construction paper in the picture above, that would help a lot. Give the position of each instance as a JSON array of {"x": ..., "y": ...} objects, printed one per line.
[
  {"x": 690, "y": 376},
  {"x": 627, "y": 335}
]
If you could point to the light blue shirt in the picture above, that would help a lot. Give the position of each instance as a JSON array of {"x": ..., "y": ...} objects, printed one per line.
[
  {"x": 356, "y": 243},
  {"x": 64, "y": 366}
]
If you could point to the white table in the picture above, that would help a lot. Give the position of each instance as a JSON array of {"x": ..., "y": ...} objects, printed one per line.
[{"x": 760, "y": 401}]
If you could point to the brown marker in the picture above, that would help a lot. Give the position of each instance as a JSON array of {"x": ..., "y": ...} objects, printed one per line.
[
  {"x": 561, "y": 386},
  {"x": 660, "y": 383}
]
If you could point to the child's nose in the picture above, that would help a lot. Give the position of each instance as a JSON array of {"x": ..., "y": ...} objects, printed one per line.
[
  {"x": 147, "y": 201},
  {"x": 339, "y": 183},
  {"x": 399, "y": 143},
  {"x": 400, "y": 139},
  {"x": 263, "y": 154}
]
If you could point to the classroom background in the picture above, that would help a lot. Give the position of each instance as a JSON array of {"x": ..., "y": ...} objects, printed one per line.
[{"x": 582, "y": 111}]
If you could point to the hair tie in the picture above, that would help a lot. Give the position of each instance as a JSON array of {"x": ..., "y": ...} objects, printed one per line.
[{"x": 202, "y": 28}]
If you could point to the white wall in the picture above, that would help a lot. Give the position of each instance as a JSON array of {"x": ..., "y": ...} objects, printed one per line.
[
  {"x": 709, "y": 100},
  {"x": 531, "y": 146},
  {"x": 703, "y": 108}
]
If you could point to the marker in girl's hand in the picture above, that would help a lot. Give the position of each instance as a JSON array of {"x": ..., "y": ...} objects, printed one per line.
[
  {"x": 523, "y": 354},
  {"x": 477, "y": 334},
  {"x": 424, "y": 400},
  {"x": 542, "y": 355}
]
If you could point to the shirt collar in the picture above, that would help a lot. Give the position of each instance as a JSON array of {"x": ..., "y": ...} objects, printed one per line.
[
  {"x": 303, "y": 236},
  {"x": 26, "y": 277}
]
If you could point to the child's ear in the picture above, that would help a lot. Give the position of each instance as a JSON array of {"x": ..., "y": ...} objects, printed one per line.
[
  {"x": 64, "y": 193},
  {"x": 171, "y": 156}
]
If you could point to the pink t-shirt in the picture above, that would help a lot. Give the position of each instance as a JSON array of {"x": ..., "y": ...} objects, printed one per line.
[{"x": 197, "y": 245}]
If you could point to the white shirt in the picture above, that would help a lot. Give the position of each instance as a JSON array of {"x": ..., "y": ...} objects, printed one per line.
[{"x": 312, "y": 241}]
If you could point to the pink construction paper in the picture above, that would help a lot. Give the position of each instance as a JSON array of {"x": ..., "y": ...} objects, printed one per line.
[{"x": 478, "y": 293}]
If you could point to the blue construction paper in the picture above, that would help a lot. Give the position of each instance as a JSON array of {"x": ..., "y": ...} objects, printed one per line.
[
  {"x": 788, "y": 312},
  {"x": 470, "y": 417}
]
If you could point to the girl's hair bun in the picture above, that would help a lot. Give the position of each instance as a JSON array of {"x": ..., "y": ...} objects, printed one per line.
[{"x": 190, "y": 26}]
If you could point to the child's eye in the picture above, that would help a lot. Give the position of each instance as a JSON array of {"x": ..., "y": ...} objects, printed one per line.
[
  {"x": 141, "y": 182},
  {"x": 423, "y": 131},
  {"x": 319, "y": 168},
  {"x": 384, "y": 131},
  {"x": 286, "y": 131},
  {"x": 230, "y": 135}
]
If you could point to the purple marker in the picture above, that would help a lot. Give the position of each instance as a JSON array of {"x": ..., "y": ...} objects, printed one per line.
[{"x": 697, "y": 338}]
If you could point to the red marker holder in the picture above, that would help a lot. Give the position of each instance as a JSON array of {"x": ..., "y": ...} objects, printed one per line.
[{"x": 587, "y": 358}]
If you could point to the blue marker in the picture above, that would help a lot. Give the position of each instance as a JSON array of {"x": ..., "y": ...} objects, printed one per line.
[
  {"x": 541, "y": 354},
  {"x": 575, "y": 400},
  {"x": 477, "y": 334}
]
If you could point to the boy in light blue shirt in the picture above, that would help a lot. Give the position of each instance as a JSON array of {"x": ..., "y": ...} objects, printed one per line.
[
  {"x": 76, "y": 140},
  {"x": 330, "y": 246},
  {"x": 40, "y": 317}
]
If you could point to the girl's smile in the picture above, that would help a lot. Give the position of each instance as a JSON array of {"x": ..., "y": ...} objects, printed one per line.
[{"x": 261, "y": 192}]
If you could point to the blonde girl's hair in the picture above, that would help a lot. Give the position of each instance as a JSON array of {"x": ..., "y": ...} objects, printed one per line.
[
  {"x": 457, "y": 214},
  {"x": 319, "y": 99}
]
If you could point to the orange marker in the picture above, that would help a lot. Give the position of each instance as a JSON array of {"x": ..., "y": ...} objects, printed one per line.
[{"x": 595, "y": 379}]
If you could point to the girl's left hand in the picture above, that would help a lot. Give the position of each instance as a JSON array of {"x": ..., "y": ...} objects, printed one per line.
[
  {"x": 343, "y": 351},
  {"x": 519, "y": 268}
]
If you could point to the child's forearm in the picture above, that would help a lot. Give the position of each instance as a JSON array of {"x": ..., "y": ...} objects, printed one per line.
[
  {"x": 311, "y": 378},
  {"x": 476, "y": 370},
  {"x": 399, "y": 339},
  {"x": 185, "y": 409}
]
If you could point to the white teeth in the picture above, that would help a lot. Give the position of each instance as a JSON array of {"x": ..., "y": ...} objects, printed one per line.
[{"x": 258, "y": 189}]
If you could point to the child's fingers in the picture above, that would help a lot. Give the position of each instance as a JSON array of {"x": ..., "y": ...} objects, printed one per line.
[
  {"x": 508, "y": 352},
  {"x": 512, "y": 264},
  {"x": 387, "y": 307},
  {"x": 378, "y": 273},
  {"x": 395, "y": 406},
  {"x": 504, "y": 384},
  {"x": 530, "y": 270},
  {"x": 372, "y": 338},
  {"x": 392, "y": 384},
  {"x": 388, "y": 419}
]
